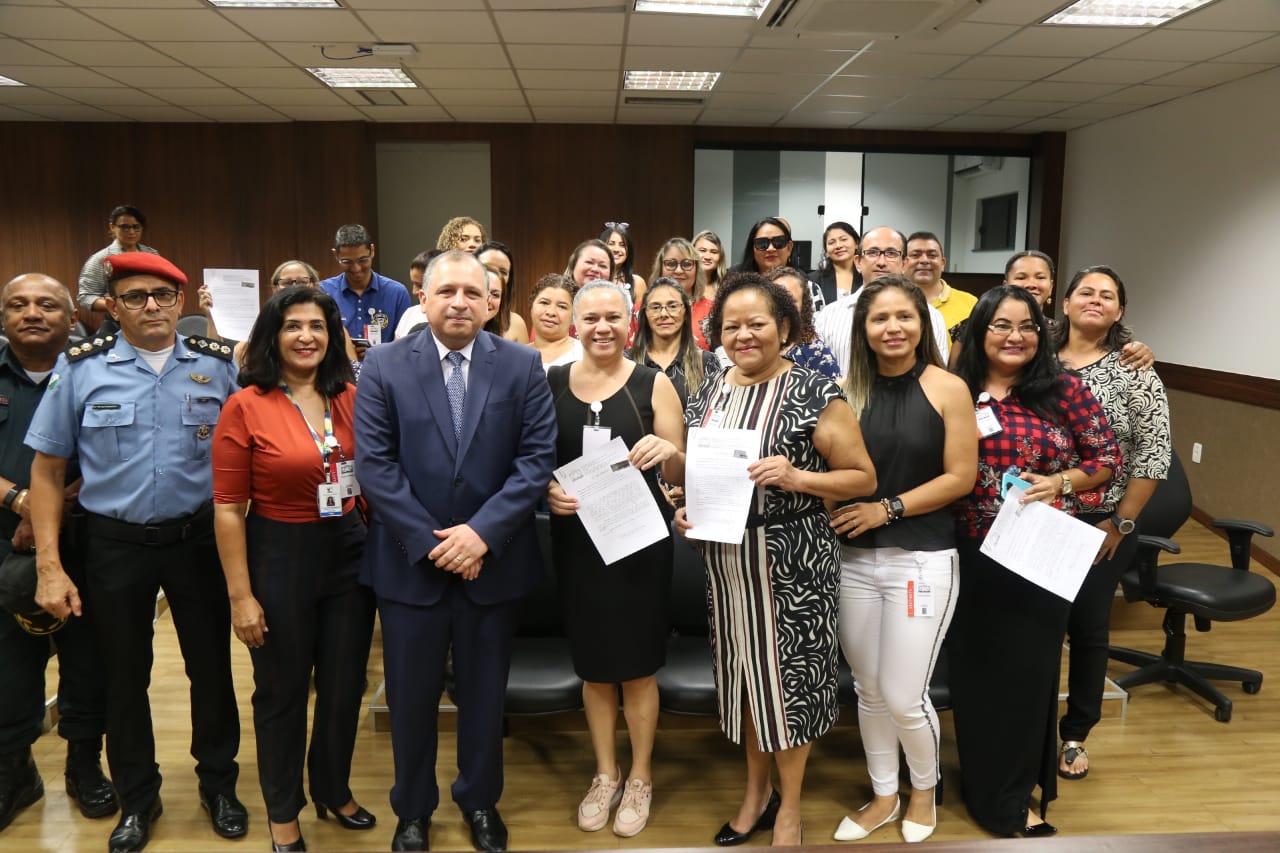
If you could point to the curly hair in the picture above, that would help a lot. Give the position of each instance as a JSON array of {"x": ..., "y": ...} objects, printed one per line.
[
  {"x": 807, "y": 332},
  {"x": 781, "y": 306},
  {"x": 451, "y": 233}
]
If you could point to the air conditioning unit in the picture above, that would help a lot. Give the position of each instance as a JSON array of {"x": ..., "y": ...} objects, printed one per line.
[
  {"x": 880, "y": 19},
  {"x": 968, "y": 166}
]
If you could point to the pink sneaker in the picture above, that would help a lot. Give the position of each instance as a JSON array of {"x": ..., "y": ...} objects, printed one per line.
[
  {"x": 593, "y": 812},
  {"x": 633, "y": 814}
]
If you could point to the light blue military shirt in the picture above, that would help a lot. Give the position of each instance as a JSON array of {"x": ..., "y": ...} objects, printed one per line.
[{"x": 143, "y": 440}]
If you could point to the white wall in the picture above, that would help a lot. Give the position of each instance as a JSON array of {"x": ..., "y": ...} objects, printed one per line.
[
  {"x": 421, "y": 186},
  {"x": 844, "y": 190},
  {"x": 1013, "y": 177},
  {"x": 801, "y": 188},
  {"x": 713, "y": 194},
  {"x": 905, "y": 191},
  {"x": 1183, "y": 199}
]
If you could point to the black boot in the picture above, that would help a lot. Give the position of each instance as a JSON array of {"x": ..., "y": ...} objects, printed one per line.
[
  {"x": 20, "y": 784},
  {"x": 86, "y": 784}
]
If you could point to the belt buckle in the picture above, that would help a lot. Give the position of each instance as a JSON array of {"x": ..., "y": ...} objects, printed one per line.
[{"x": 151, "y": 535}]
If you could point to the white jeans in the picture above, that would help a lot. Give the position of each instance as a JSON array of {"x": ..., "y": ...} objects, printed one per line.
[{"x": 892, "y": 654}]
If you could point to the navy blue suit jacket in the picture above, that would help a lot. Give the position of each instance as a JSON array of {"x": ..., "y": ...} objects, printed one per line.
[{"x": 418, "y": 478}]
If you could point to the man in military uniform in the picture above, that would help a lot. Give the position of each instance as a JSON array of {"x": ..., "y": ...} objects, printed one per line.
[
  {"x": 138, "y": 409},
  {"x": 37, "y": 316}
]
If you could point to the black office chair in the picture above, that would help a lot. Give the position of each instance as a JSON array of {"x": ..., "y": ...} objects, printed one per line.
[
  {"x": 193, "y": 324},
  {"x": 687, "y": 684},
  {"x": 1205, "y": 592}
]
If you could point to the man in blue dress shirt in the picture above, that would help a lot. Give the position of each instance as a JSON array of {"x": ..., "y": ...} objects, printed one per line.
[
  {"x": 371, "y": 304},
  {"x": 138, "y": 410}
]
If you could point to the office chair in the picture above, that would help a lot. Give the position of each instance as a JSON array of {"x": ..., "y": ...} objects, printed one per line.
[
  {"x": 687, "y": 684},
  {"x": 1203, "y": 591},
  {"x": 193, "y": 324}
]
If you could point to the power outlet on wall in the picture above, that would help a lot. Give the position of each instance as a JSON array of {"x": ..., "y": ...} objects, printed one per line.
[{"x": 1195, "y": 451}]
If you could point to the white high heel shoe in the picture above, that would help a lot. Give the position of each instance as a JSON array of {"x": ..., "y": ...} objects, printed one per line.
[
  {"x": 913, "y": 832},
  {"x": 850, "y": 830}
]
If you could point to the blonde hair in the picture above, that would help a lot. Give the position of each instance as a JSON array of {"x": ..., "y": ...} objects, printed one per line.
[{"x": 451, "y": 233}]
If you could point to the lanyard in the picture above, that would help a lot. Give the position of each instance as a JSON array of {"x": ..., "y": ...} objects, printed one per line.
[{"x": 330, "y": 442}]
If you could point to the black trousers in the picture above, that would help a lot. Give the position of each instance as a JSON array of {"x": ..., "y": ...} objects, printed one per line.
[
  {"x": 123, "y": 579},
  {"x": 318, "y": 618},
  {"x": 81, "y": 691},
  {"x": 1089, "y": 632}
]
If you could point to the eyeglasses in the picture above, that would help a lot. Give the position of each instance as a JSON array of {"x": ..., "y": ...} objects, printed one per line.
[
  {"x": 1000, "y": 327},
  {"x": 290, "y": 282},
  {"x": 762, "y": 244},
  {"x": 917, "y": 254},
  {"x": 137, "y": 299},
  {"x": 123, "y": 227},
  {"x": 360, "y": 261},
  {"x": 887, "y": 254},
  {"x": 673, "y": 263},
  {"x": 672, "y": 308}
]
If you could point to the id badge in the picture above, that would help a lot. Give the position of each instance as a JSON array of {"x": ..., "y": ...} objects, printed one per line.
[
  {"x": 373, "y": 333},
  {"x": 919, "y": 599},
  {"x": 329, "y": 500},
  {"x": 594, "y": 437},
  {"x": 347, "y": 484},
  {"x": 988, "y": 423}
]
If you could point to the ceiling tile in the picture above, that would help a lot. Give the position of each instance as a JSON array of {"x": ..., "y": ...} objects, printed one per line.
[
  {"x": 35, "y": 22},
  {"x": 106, "y": 52},
  {"x": 794, "y": 84},
  {"x": 1043, "y": 91},
  {"x": 340, "y": 112},
  {"x": 221, "y": 54},
  {"x": 502, "y": 114},
  {"x": 1096, "y": 112},
  {"x": 1008, "y": 68},
  {"x": 1211, "y": 73},
  {"x": 1248, "y": 15},
  {"x": 277, "y": 77},
  {"x": 415, "y": 5},
  {"x": 150, "y": 25},
  {"x": 588, "y": 56},
  {"x": 970, "y": 121},
  {"x": 307, "y": 25},
  {"x": 844, "y": 104},
  {"x": 479, "y": 97},
  {"x": 840, "y": 120},
  {"x": 1116, "y": 71},
  {"x": 937, "y": 106},
  {"x": 572, "y": 115},
  {"x": 164, "y": 113},
  {"x": 106, "y": 97},
  {"x": 539, "y": 98},
  {"x": 966, "y": 88},
  {"x": 1051, "y": 125},
  {"x": 644, "y": 57},
  {"x": 1263, "y": 51},
  {"x": 409, "y": 112},
  {"x": 15, "y": 114},
  {"x": 686, "y": 30},
  {"x": 1185, "y": 45},
  {"x": 889, "y": 87},
  {"x": 1062, "y": 41},
  {"x": 1014, "y": 11},
  {"x": 284, "y": 98},
  {"x": 73, "y": 112},
  {"x": 884, "y": 64},
  {"x": 344, "y": 55},
  {"x": 964, "y": 38},
  {"x": 494, "y": 78},
  {"x": 1146, "y": 95},
  {"x": 457, "y": 56},
  {"x": 1021, "y": 108},
  {"x": 23, "y": 95},
  {"x": 792, "y": 61},
  {"x": 537, "y": 79},
  {"x": 250, "y": 112},
  {"x": 48, "y": 75},
  {"x": 160, "y": 78},
  {"x": 15, "y": 52},
  {"x": 134, "y": 4},
  {"x": 901, "y": 121},
  {"x": 552, "y": 27},
  {"x": 219, "y": 96},
  {"x": 449, "y": 27},
  {"x": 750, "y": 101},
  {"x": 746, "y": 118},
  {"x": 657, "y": 115}
]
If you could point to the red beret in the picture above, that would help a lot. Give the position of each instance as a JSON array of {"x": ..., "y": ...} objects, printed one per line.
[{"x": 127, "y": 264}]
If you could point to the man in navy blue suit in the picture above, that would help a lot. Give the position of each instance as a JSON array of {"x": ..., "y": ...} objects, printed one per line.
[{"x": 455, "y": 442}]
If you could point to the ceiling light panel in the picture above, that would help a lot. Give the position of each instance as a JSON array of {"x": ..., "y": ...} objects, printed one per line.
[
  {"x": 1132, "y": 13},
  {"x": 276, "y": 4},
  {"x": 671, "y": 81},
  {"x": 9, "y": 81},
  {"x": 727, "y": 8},
  {"x": 364, "y": 78}
]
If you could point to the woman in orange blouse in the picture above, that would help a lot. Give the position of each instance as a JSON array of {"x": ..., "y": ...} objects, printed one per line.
[{"x": 291, "y": 538}]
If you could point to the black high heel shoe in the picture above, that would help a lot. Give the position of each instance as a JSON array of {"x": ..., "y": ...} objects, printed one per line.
[
  {"x": 277, "y": 847},
  {"x": 730, "y": 837},
  {"x": 362, "y": 819},
  {"x": 1038, "y": 830}
]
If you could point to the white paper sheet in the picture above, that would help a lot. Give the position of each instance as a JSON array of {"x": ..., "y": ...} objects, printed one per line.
[
  {"x": 1046, "y": 546},
  {"x": 614, "y": 503},
  {"x": 717, "y": 489},
  {"x": 235, "y": 301}
]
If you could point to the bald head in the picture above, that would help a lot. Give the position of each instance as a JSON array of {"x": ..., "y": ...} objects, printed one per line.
[
  {"x": 39, "y": 279},
  {"x": 872, "y": 260},
  {"x": 37, "y": 316}
]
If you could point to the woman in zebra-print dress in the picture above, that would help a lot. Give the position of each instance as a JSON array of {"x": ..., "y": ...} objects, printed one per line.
[{"x": 774, "y": 595}]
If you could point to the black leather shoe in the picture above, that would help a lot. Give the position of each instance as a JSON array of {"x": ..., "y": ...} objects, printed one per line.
[
  {"x": 291, "y": 847},
  {"x": 228, "y": 815},
  {"x": 488, "y": 832},
  {"x": 361, "y": 819},
  {"x": 134, "y": 829},
  {"x": 1039, "y": 830},
  {"x": 411, "y": 834},
  {"x": 20, "y": 784},
  {"x": 86, "y": 783},
  {"x": 730, "y": 837}
]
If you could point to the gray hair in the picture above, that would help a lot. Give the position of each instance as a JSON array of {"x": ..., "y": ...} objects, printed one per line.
[
  {"x": 352, "y": 235},
  {"x": 599, "y": 284},
  {"x": 452, "y": 255}
]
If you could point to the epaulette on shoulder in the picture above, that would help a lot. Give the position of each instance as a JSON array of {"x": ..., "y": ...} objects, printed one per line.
[
  {"x": 215, "y": 348},
  {"x": 87, "y": 347}
]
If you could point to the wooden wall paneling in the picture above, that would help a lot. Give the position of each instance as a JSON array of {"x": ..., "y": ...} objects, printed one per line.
[{"x": 1254, "y": 390}]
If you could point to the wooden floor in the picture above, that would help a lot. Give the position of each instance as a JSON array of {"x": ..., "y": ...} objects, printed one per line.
[{"x": 1166, "y": 767}]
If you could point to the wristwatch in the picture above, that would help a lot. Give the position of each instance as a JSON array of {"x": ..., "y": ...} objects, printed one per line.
[
  {"x": 1124, "y": 525},
  {"x": 896, "y": 507},
  {"x": 1067, "y": 488}
]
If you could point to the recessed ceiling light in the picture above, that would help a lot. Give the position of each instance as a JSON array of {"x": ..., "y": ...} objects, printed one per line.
[
  {"x": 276, "y": 4},
  {"x": 729, "y": 8},
  {"x": 364, "y": 78},
  {"x": 671, "y": 81},
  {"x": 9, "y": 81},
  {"x": 1130, "y": 13}
]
